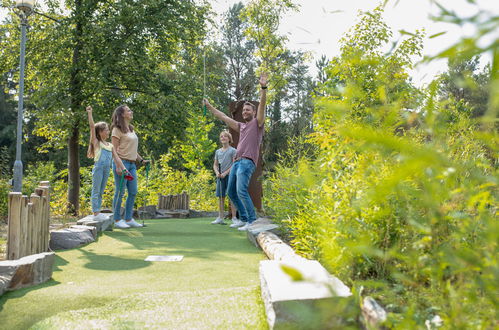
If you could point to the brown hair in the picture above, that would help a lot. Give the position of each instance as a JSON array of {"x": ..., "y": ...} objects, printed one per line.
[
  {"x": 250, "y": 104},
  {"x": 119, "y": 120},
  {"x": 226, "y": 132},
  {"x": 98, "y": 127}
]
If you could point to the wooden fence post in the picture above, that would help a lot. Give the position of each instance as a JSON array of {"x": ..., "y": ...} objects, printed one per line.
[
  {"x": 23, "y": 227},
  {"x": 14, "y": 223},
  {"x": 33, "y": 223},
  {"x": 45, "y": 216}
]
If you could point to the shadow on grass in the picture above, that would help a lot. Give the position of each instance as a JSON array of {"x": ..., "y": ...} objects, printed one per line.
[
  {"x": 22, "y": 292},
  {"x": 107, "y": 262},
  {"x": 195, "y": 237}
]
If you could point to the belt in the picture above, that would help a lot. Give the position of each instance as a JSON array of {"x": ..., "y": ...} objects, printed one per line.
[
  {"x": 128, "y": 160},
  {"x": 237, "y": 159}
]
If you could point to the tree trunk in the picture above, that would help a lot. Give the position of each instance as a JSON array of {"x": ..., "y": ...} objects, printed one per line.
[
  {"x": 74, "y": 172},
  {"x": 76, "y": 105}
]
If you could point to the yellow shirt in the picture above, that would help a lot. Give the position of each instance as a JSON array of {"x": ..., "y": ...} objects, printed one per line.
[
  {"x": 128, "y": 146},
  {"x": 108, "y": 147}
]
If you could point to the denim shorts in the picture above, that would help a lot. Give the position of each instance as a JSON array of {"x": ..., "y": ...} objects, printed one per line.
[{"x": 222, "y": 186}]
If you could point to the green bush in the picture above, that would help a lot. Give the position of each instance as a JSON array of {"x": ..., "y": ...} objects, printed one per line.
[{"x": 402, "y": 203}]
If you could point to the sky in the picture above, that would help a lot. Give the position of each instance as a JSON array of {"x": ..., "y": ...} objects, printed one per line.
[{"x": 319, "y": 25}]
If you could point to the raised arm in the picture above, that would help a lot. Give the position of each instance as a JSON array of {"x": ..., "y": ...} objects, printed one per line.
[
  {"x": 222, "y": 116},
  {"x": 260, "y": 115},
  {"x": 91, "y": 123}
]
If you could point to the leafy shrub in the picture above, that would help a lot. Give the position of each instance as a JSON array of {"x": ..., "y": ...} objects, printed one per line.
[{"x": 402, "y": 205}]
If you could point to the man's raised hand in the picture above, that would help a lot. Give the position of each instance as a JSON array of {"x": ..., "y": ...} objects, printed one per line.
[{"x": 264, "y": 79}]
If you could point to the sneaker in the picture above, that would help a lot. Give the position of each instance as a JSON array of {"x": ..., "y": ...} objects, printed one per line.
[
  {"x": 133, "y": 223},
  {"x": 236, "y": 223},
  {"x": 245, "y": 227},
  {"x": 218, "y": 221},
  {"x": 121, "y": 224}
]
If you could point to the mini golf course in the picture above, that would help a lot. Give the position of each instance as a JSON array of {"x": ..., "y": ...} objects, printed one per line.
[{"x": 108, "y": 285}]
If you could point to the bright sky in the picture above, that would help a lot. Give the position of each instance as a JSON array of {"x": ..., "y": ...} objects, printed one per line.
[{"x": 318, "y": 25}]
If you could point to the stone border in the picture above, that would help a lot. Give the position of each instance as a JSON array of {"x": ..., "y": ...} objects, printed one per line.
[
  {"x": 25, "y": 272},
  {"x": 284, "y": 298}
]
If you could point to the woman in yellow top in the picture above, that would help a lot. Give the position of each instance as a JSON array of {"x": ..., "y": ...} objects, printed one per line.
[
  {"x": 102, "y": 152},
  {"x": 126, "y": 143}
]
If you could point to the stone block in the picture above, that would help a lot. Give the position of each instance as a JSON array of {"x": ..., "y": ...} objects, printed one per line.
[
  {"x": 92, "y": 229},
  {"x": 296, "y": 304},
  {"x": 147, "y": 212},
  {"x": 70, "y": 238},
  {"x": 27, "y": 271},
  {"x": 100, "y": 224}
]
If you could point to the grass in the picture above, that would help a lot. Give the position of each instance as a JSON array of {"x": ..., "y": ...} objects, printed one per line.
[{"x": 108, "y": 284}]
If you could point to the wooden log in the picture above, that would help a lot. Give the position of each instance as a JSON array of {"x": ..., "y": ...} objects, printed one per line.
[
  {"x": 46, "y": 226},
  {"x": 44, "y": 232},
  {"x": 23, "y": 246},
  {"x": 32, "y": 222},
  {"x": 275, "y": 248},
  {"x": 39, "y": 220},
  {"x": 14, "y": 219},
  {"x": 189, "y": 203},
  {"x": 159, "y": 199}
]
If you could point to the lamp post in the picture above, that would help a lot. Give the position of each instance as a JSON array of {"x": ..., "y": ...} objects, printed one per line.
[{"x": 25, "y": 8}]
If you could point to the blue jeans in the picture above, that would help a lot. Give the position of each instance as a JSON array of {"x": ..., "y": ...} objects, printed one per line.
[
  {"x": 100, "y": 174},
  {"x": 239, "y": 178},
  {"x": 131, "y": 187}
]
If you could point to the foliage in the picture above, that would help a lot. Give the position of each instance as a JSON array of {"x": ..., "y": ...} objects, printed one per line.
[
  {"x": 461, "y": 83},
  {"x": 401, "y": 202},
  {"x": 263, "y": 19}
]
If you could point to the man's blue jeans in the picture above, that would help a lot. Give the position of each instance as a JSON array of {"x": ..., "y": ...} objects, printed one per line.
[
  {"x": 239, "y": 178},
  {"x": 131, "y": 186}
]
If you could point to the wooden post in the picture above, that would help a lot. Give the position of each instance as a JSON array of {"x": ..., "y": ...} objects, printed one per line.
[
  {"x": 46, "y": 216},
  {"x": 44, "y": 219},
  {"x": 14, "y": 219},
  {"x": 23, "y": 226},
  {"x": 39, "y": 216},
  {"x": 33, "y": 223},
  {"x": 189, "y": 203}
]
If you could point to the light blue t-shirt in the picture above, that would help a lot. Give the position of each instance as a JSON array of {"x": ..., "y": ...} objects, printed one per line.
[{"x": 225, "y": 157}]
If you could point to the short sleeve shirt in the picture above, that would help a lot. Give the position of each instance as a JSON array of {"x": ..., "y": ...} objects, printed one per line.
[
  {"x": 225, "y": 157},
  {"x": 250, "y": 138},
  {"x": 128, "y": 146}
]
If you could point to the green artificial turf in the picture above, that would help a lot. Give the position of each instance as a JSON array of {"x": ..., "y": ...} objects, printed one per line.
[{"x": 108, "y": 285}]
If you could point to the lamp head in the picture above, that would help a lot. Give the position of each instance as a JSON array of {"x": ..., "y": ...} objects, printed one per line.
[{"x": 25, "y": 6}]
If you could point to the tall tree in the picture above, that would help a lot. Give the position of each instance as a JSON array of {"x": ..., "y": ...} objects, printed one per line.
[
  {"x": 101, "y": 53},
  {"x": 464, "y": 82},
  {"x": 238, "y": 52}
]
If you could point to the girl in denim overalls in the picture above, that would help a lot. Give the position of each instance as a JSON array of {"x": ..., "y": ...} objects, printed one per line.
[{"x": 103, "y": 153}]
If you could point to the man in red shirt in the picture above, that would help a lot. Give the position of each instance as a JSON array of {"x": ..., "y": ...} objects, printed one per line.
[{"x": 248, "y": 151}]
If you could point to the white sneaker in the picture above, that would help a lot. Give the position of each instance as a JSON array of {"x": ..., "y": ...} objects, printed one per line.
[
  {"x": 133, "y": 223},
  {"x": 236, "y": 223},
  {"x": 121, "y": 224},
  {"x": 245, "y": 227},
  {"x": 218, "y": 221}
]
